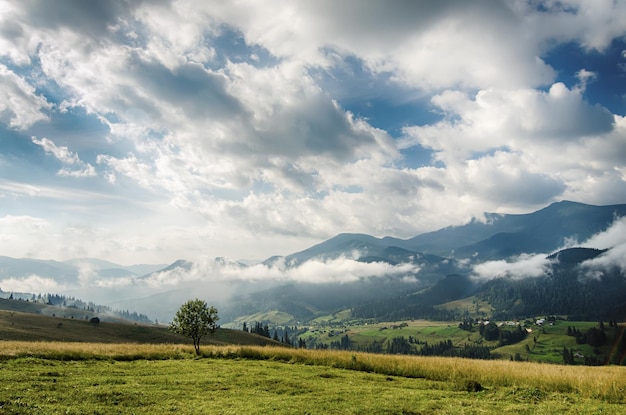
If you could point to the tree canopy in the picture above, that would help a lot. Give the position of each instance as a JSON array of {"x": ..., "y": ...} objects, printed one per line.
[{"x": 195, "y": 319}]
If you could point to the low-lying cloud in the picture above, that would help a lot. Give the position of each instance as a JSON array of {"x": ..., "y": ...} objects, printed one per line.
[
  {"x": 30, "y": 284},
  {"x": 316, "y": 271},
  {"x": 613, "y": 239},
  {"x": 218, "y": 281},
  {"x": 522, "y": 266}
]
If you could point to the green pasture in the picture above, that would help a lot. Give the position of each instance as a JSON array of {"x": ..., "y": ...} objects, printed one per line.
[
  {"x": 548, "y": 347},
  {"x": 34, "y": 380},
  {"x": 425, "y": 331}
]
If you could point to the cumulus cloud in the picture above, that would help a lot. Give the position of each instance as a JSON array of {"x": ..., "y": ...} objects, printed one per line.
[
  {"x": 423, "y": 45},
  {"x": 521, "y": 146},
  {"x": 593, "y": 25},
  {"x": 61, "y": 153},
  {"x": 218, "y": 114},
  {"x": 509, "y": 118}
]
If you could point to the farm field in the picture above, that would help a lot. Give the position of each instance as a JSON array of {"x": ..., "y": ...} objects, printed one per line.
[
  {"x": 78, "y": 378},
  {"x": 544, "y": 343}
]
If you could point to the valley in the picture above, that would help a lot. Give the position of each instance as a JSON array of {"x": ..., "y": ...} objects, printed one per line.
[{"x": 364, "y": 293}]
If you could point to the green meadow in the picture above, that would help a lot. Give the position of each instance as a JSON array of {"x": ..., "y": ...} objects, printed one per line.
[
  {"x": 544, "y": 343},
  {"x": 97, "y": 378}
]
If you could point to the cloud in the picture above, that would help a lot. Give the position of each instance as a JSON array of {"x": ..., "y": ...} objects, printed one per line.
[
  {"x": 613, "y": 239},
  {"x": 523, "y": 266},
  {"x": 220, "y": 117},
  {"x": 20, "y": 105},
  {"x": 339, "y": 270},
  {"x": 65, "y": 156},
  {"x": 509, "y": 118},
  {"x": 61, "y": 153},
  {"x": 423, "y": 45},
  {"x": 615, "y": 235},
  {"x": 593, "y": 25},
  {"x": 30, "y": 284},
  {"x": 521, "y": 146}
]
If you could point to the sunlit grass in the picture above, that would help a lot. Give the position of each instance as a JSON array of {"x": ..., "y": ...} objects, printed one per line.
[{"x": 606, "y": 383}]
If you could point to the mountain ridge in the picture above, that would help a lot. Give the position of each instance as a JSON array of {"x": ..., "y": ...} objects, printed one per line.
[{"x": 354, "y": 269}]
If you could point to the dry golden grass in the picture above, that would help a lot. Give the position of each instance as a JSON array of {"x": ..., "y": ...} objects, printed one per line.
[
  {"x": 605, "y": 382},
  {"x": 84, "y": 351}
]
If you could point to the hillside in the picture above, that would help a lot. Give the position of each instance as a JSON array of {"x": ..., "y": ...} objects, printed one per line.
[{"x": 22, "y": 326}]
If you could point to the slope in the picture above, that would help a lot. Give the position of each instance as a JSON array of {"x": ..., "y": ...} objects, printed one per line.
[{"x": 21, "y": 326}]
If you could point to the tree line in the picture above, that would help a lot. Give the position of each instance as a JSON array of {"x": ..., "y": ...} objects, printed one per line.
[{"x": 285, "y": 335}]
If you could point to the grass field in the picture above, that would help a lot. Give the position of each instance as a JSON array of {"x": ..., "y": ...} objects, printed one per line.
[{"x": 79, "y": 378}]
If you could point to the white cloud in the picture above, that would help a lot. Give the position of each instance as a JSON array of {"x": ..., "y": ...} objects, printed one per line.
[
  {"x": 20, "y": 105},
  {"x": 30, "y": 284},
  {"x": 339, "y": 270},
  {"x": 87, "y": 171},
  {"x": 613, "y": 239},
  {"x": 509, "y": 118},
  {"x": 63, "y": 154},
  {"x": 615, "y": 235},
  {"x": 524, "y": 266},
  {"x": 422, "y": 44},
  {"x": 593, "y": 24},
  {"x": 515, "y": 147}
]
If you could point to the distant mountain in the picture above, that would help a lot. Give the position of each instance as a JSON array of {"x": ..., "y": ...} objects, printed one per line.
[
  {"x": 70, "y": 270},
  {"x": 24, "y": 267},
  {"x": 436, "y": 268},
  {"x": 346, "y": 244},
  {"x": 500, "y": 236},
  {"x": 446, "y": 275}
]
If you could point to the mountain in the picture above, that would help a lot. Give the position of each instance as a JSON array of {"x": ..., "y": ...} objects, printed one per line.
[
  {"x": 345, "y": 244},
  {"x": 570, "y": 286},
  {"x": 500, "y": 236},
  {"x": 447, "y": 259},
  {"x": 71, "y": 270},
  {"x": 479, "y": 262},
  {"x": 24, "y": 267}
]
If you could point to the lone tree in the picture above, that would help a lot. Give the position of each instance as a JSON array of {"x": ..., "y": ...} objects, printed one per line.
[{"x": 195, "y": 319}]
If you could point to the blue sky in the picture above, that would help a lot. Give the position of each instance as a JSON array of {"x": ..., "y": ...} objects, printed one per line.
[{"x": 144, "y": 132}]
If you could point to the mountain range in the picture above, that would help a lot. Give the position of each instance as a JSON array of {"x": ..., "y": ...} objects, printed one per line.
[{"x": 567, "y": 258}]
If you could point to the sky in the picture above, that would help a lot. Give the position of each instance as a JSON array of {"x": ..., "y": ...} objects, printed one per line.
[{"x": 150, "y": 131}]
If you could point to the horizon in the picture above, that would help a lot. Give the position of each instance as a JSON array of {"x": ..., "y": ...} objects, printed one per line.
[
  {"x": 143, "y": 133},
  {"x": 255, "y": 261}
]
